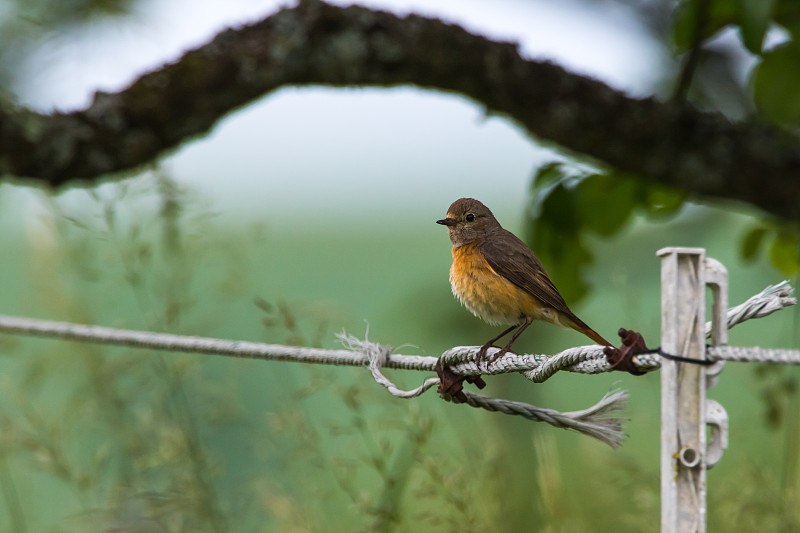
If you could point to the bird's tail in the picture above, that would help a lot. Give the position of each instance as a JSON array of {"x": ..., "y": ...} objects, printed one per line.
[
  {"x": 577, "y": 324},
  {"x": 596, "y": 337}
]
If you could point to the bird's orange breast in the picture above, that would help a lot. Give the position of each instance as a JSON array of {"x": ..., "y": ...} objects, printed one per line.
[{"x": 490, "y": 296}]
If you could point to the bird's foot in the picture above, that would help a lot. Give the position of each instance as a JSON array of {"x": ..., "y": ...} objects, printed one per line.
[
  {"x": 498, "y": 354},
  {"x": 489, "y": 359},
  {"x": 481, "y": 357}
]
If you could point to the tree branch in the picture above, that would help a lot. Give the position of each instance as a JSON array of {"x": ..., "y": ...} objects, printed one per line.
[{"x": 320, "y": 44}]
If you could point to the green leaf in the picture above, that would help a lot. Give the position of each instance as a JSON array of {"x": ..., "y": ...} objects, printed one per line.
[
  {"x": 605, "y": 202},
  {"x": 777, "y": 85},
  {"x": 558, "y": 209},
  {"x": 563, "y": 255},
  {"x": 566, "y": 274},
  {"x": 548, "y": 175},
  {"x": 661, "y": 201},
  {"x": 751, "y": 243},
  {"x": 785, "y": 255},
  {"x": 555, "y": 237},
  {"x": 721, "y": 14},
  {"x": 787, "y": 14},
  {"x": 754, "y": 18}
]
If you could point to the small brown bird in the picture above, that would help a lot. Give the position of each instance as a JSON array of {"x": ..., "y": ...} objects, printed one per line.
[{"x": 499, "y": 279}]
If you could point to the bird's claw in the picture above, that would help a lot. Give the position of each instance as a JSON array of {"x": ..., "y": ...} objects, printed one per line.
[
  {"x": 489, "y": 359},
  {"x": 497, "y": 355}
]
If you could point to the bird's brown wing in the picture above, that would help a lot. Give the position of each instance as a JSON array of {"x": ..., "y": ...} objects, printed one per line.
[{"x": 512, "y": 259}]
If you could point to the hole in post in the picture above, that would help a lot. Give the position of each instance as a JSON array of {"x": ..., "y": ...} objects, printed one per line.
[{"x": 689, "y": 457}]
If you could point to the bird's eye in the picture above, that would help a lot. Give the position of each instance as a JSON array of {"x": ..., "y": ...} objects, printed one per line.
[{"x": 470, "y": 217}]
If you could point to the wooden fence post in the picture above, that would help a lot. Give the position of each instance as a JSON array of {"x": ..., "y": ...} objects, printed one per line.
[{"x": 685, "y": 412}]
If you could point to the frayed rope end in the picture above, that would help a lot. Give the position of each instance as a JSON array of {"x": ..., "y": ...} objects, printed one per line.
[
  {"x": 373, "y": 350},
  {"x": 600, "y": 420}
]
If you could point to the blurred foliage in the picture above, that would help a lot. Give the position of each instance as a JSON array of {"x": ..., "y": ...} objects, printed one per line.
[
  {"x": 778, "y": 390},
  {"x": 281, "y": 316},
  {"x": 125, "y": 440},
  {"x": 573, "y": 203},
  {"x": 570, "y": 204},
  {"x": 24, "y": 24},
  {"x": 776, "y": 85},
  {"x": 50, "y": 14},
  {"x": 106, "y": 439},
  {"x": 115, "y": 439},
  {"x": 123, "y": 433}
]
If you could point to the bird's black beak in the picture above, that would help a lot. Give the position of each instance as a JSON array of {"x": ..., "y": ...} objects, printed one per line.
[{"x": 447, "y": 222}]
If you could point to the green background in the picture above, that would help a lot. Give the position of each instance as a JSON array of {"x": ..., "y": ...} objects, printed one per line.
[{"x": 99, "y": 437}]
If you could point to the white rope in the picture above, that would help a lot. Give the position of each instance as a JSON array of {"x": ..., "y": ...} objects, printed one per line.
[
  {"x": 592, "y": 359},
  {"x": 378, "y": 355},
  {"x": 582, "y": 359},
  {"x": 461, "y": 360},
  {"x": 593, "y": 421},
  {"x": 754, "y": 353},
  {"x": 773, "y": 298},
  {"x": 596, "y": 421},
  {"x": 205, "y": 345}
]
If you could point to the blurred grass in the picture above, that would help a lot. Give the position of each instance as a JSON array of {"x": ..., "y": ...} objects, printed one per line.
[{"x": 95, "y": 438}]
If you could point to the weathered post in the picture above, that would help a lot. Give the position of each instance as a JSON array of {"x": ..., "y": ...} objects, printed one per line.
[{"x": 684, "y": 457}]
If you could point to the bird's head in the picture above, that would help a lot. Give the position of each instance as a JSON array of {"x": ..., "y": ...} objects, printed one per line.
[{"x": 468, "y": 221}]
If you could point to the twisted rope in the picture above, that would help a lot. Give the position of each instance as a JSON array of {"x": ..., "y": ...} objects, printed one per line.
[
  {"x": 594, "y": 421},
  {"x": 773, "y": 298},
  {"x": 591, "y": 359},
  {"x": 584, "y": 359},
  {"x": 597, "y": 421},
  {"x": 753, "y": 353},
  {"x": 203, "y": 345}
]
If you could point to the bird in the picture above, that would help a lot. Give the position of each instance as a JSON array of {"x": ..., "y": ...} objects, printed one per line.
[{"x": 499, "y": 279}]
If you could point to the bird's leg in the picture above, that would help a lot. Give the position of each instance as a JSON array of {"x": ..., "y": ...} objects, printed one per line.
[
  {"x": 490, "y": 343},
  {"x": 504, "y": 350}
]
